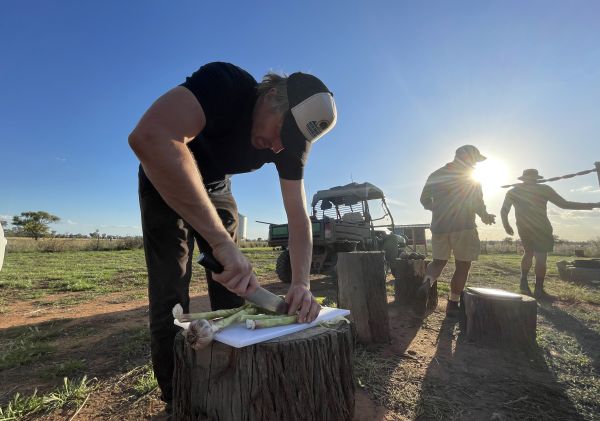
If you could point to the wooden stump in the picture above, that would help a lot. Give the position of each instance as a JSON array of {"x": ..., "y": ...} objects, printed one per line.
[
  {"x": 577, "y": 274},
  {"x": 362, "y": 290},
  {"x": 562, "y": 270},
  {"x": 303, "y": 376},
  {"x": 408, "y": 277},
  {"x": 501, "y": 322}
]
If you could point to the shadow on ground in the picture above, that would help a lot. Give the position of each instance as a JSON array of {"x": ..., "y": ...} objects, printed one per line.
[
  {"x": 564, "y": 322},
  {"x": 110, "y": 348},
  {"x": 470, "y": 382}
]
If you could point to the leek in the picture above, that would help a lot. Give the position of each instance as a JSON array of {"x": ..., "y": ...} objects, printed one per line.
[
  {"x": 271, "y": 322},
  {"x": 207, "y": 315}
]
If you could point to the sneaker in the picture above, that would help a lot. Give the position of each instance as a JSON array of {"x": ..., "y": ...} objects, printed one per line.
[
  {"x": 526, "y": 290},
  {"x": 542, "y": 295},
  {"x": 421, "y": 298},
  {"x": 524, "y": 287},
  {"x": 452, "y": 310}
]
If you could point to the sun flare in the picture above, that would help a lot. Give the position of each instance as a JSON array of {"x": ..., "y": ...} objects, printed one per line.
[{"x": 491, "y": 173}]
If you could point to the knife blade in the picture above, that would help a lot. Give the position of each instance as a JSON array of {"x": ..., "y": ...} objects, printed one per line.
[{"x": 261, "y": 297}]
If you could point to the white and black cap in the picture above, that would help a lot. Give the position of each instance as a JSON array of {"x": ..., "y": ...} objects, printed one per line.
[{"x": 312, "y": 113}]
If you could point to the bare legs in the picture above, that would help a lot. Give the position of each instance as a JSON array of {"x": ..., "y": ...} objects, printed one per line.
[
  {"x": 457, "y": 284},
  {"x": 540, "y": 274},
  {"x": 540, "y": 271},
  {"x": 540, "y": 267},
  {"x": 526, "y": 263},
  {"x": 421, "y": 302},
  {"x": 459, "y": 278},
  {"x": 435, "y": 268}
]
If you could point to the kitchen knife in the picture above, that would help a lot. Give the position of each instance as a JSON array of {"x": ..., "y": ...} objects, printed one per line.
[{"x": 261, "y": 297}]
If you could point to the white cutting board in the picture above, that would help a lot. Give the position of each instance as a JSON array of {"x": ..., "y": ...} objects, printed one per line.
[{"x": 239, "y": 336}]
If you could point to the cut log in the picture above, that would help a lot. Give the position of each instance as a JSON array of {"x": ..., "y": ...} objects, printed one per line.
[
  {"x": 501, "y": 321},
  {"x": 303, "y": 376},
  {"x": 576, "y": 274},
  {"x": 362, "y": 290},
  {"x": 408, "y": 277},
  {"x": 562, "y": 266}
]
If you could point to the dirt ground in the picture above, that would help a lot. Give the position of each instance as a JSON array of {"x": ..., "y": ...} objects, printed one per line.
[{"x": 428, "y": 371}]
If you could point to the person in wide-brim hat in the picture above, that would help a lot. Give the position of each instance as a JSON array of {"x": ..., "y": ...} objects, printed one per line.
[{"x": 530, "y": 199}]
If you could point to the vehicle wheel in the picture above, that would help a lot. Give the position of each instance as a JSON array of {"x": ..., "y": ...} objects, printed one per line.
[{"x": 283, "y": 267}]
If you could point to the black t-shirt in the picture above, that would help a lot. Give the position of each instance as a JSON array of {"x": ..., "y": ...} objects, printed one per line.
[{"x": 227, "y": 95}]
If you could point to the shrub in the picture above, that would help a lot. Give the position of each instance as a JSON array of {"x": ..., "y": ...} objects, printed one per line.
[{"x": 130, "y": 243}]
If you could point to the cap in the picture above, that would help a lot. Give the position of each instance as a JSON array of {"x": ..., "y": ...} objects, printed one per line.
[
  {"x": 312, "y": 113},
  {"x": 530, "y": 174},
  {"x": 470, "y": 151}
]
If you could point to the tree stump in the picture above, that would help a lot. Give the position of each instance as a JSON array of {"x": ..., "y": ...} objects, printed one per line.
[
  {"x": 408, "y": 277},
  {"x": 303, "y": 376},
  {"x": 501, "y": 321},
  {"x": 362, "y": 290},
  {"x": 562, "y": 270}
]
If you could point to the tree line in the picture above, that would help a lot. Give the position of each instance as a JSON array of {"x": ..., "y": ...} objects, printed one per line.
[{"x": 35, "y": 224}]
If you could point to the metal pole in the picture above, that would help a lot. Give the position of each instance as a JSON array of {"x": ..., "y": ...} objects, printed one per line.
[{"x": 598, "y": 172}]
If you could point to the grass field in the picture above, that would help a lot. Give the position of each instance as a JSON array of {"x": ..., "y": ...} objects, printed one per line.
[{"x": 81, "y": 316}]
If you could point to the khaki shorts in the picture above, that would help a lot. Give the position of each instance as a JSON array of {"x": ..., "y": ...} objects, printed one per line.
[{"x": 464, "y": 244}]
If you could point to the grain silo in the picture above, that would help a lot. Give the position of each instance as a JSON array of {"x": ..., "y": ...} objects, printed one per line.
[{"x": 242, "y": 227}]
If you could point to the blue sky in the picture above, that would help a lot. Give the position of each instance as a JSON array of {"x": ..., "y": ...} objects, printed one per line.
[{"x": 412, "y": 81}]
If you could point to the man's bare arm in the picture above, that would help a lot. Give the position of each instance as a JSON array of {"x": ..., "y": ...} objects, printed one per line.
[
  {"x": 506, "y": 206},
  {"x": 160, "y": 142},
  {"x": 478, "y": 203},
  {"x": 426, "y": 199},
  {"x": 479, "y": 207},
  {"x": 562, "y": 203},
  {"x": 300, "y": 247}
]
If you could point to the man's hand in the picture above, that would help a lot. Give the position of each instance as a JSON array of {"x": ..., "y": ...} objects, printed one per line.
[
  {"x": 301, "y": 300},
  {"x": 509, "y": 230},
  {"x": 237, "y": 276},
  {"x": 488, "y": 219}
]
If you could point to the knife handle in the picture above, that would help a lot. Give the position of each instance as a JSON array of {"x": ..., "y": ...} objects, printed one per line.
[{"x": 207, "y": 260}]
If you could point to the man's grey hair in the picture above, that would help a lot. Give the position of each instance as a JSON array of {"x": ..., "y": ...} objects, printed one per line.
[{"x": 280, "y": 101}]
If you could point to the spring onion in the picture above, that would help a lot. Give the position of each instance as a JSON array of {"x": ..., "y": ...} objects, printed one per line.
[
  {"x": 207, "y": 315},
  {"x": 271, "y": 322}
]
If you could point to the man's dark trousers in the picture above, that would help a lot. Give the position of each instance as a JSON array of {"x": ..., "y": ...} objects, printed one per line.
[{"x": 169, "y": 247}]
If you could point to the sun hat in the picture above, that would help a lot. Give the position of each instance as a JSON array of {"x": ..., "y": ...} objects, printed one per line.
[
  {"x": 312, "y": 113},
  {"x": 530, "y": 174}
]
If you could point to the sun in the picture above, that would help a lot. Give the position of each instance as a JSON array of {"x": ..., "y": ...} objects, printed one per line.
[{"x": 491, "y": 173}]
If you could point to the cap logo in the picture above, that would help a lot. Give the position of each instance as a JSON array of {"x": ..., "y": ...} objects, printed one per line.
[
  {"x": 315, "y": 116},
  {"x": 316, "y": 128}
]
